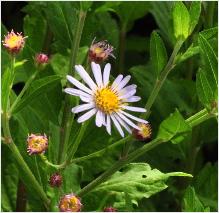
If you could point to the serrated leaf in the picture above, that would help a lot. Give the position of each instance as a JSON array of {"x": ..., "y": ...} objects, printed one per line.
[
  {"x": 38, "y": 87},
  {"x": 192, "y": 202},
  {"x": 158, "y": 53},
  {"x": 174, "y": 125},
  {"x": 194, "y": 11},
  {"x": 181, "y": 21},
  {"x": 137, "y": 180}
]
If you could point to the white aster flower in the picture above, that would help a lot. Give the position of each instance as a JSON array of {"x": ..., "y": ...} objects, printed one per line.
[{"x": 108, "y": 101}]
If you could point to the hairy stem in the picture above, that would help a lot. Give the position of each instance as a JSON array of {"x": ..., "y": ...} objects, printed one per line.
[
  {"x": 122, "y": 38},
  {"x": 67, "y": 118}
]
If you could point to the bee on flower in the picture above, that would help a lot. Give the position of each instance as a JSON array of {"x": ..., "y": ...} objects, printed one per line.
[
  {"x": 109, "y": 101},
  {"x": 70, "y": 203},
  {"x": 37, "y": 144},
  {"x": 100, "y": 51},
  {"x": 14, "y": 42}
]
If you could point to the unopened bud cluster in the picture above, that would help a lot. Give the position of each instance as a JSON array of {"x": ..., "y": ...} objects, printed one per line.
[{"x": 145, "y": 132}]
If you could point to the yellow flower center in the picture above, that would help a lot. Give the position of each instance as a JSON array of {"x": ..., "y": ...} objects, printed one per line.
[
  {"x": 14, "y": 41},
  {"x": 107, "y": 100},
  {"x": 70, "y": 204},
  {"x": 145, "y": 130},
  {"x": 98, "y": 50},
  {"x": 37, "y": 143}
]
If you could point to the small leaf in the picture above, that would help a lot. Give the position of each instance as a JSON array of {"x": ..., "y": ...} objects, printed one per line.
[
  {"x": 158, "y": 53},
  {"x": 204, "y": 88},
  {"x": 195, "y": 10},
  {"x": 38, "y": 87},
  {"x": 209, "y": 33},
  {"x": 7, "y": 81},
  {"x": 192, "y": 202},
  {"x": 174, "y": 125},
  {"x": 210, "y": 60},
  {"x": 181, "y": 21}
]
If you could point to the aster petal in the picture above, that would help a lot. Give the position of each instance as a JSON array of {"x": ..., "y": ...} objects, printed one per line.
[
  {"x": 82, "y": 107},
  {"x": 134, "y": 109},
  {"x": 133, "y": 117},
  {"x": 87, "y": 115},
  {"x": 128, "y": 121},
  {"x": 128, "y": 88},
  {"x": 117, "y": 81},
  {"x": 97, "y": 73},
  {"x": 84, "y": 75},
  {"x": 108, "y": 124},
  {"x": 122, "y": 123},
  {"x": 78, "y": 84},
  {"x": 76, "y": 92},
  {"x": 99, "y": 118},
  {"x": 86, "y": 99},
  {"x": 128, "y": 94},
  {"x": 133, "y": 99},
  {"x": 124, "y": 82},
  {"x": 106, "y": 74},
  {"x": 117, "y": 125}
]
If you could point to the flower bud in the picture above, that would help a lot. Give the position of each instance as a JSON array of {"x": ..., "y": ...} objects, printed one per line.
[
  {"x": 110, "y": 209},
  {"x": 70, "y": 203},
  {"x": 14, "y": 42},
  {"x": 41, "y": 58},
  {"x": 100, "y": 51},
  {"x": 144, "y": 134},
  {"x": 55, "y": 180},
  {"x": 37, "y": 144}
]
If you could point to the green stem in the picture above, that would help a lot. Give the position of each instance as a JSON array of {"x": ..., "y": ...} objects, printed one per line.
[
  {"x": 77, "y": 142},
  {"x": 28, "y": 83},
  {"x": 38, "y": 171},
  {"x": 45, "y": 160},
  {"x": 67, "y": 119},
  {"x": 137, "y": 153},
  {"x": 161, "y": 79},
  {"x": 199, "y": 117},
  {"x": 122, "y": 38},
  {"x": 102, "y": 151}
]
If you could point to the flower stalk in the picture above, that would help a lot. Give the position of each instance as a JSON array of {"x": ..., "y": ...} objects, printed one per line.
[{"x": 67, "y": 119}]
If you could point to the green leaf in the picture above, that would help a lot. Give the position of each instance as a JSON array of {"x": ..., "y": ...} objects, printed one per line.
[
  {"x": 192, "y": 202},
  {"x": 207, "y": 95},
  {"x": 158, "y": 53},
  {"x": 194, "y": 11},
  {"x": 85, "y": 5},
  {"x": 72, "y": 176},
  {"x": 181, "y": 21},
  {"x": 38, "y": 87},
  {"x": 209, "y": 33},
  {"x": 136, "y": 180},
  {"x": 190, "y": 52},
  {"x": 210, "y": 59},
  {"x": 206, "y": 185},
  {"x": 174, "y": 125},
  {"x": 7, "y": 81}
]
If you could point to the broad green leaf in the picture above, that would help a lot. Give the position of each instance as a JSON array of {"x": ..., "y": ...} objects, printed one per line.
[
  {"x": 38, "y": 87},
  {"x": 210, "y": 60},
  {"x": 181, "y": 21},
  {"x": 158, "y": 53},
  {"x": 7, "y": 81},
  {"x": 137, "y": 180},
  {"x": 192, "y": 202},
  {"x": 207, "y": 95},
  {"x": 206, "y": 185},
  {"x": 172, "y": 127},
  {"x": 194, "y": 11}
]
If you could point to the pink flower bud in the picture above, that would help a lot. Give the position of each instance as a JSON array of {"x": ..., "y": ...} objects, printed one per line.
[
  {"x": 110, "y": 209},
  {"x": 55, "y": 180},
  {"x": 144, "y": 134},
  {"x": 41, "y": 58}
]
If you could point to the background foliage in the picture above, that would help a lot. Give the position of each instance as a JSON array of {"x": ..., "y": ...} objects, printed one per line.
[{"x": 144, "y": 35}]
